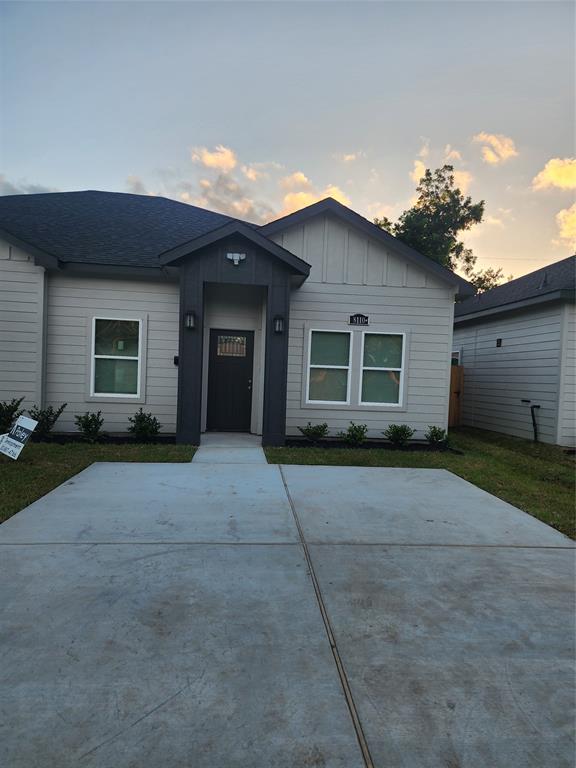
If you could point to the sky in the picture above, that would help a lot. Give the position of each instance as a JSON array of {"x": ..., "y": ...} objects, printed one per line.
[{"x": 257, "y": 109}]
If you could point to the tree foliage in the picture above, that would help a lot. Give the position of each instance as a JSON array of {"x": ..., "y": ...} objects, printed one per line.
[{"x": 435, "y": 222}]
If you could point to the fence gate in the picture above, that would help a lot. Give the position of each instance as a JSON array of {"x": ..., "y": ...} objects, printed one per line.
[{"x": 456, "y": 384}]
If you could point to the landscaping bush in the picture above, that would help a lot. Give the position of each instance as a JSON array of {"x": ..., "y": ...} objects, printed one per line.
[
  {"x": 398, "y": 434},
  {"x": 144, "y": 426},
  {"x": 437, "y": 437},
  {"x": 90, "y": 425},
  {"x": 355, "y": 434},
  {"x": 9, "y": 412},
  {"x": 314, "y": 432},
  {"x": 46, "y": 418}
]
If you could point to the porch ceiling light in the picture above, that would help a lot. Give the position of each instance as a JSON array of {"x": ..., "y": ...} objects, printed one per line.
[
  {"x": 190, "y": 320},
  {"x": 278, "y": 324}
]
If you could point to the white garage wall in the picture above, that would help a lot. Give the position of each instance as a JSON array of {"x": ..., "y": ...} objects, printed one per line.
[
  {"x": 526, "y": 366},
  {"x": 567, "y": 401}
]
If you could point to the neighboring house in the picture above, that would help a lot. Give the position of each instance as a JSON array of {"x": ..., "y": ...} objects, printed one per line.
[
  {"x": 517, "y": 345},
  {"x": 114, "y": 301}
]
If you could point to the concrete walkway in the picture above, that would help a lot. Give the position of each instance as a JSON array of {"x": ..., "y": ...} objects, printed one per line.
[
  {"x": 245, "y": 614},
  {"x": 229, "y": 448}
]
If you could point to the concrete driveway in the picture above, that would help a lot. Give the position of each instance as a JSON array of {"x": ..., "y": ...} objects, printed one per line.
[{"x": 232, "y": 613}]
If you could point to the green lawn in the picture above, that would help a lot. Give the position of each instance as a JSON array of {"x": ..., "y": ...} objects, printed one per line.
[
  {"x": 41, "y": 467},
  {"x": 535, "y": 477}
]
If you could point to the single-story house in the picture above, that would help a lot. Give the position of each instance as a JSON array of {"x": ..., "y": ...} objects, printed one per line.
[
  {"x": 517, "y": 344},
  {"x": 114, "y": 302}
]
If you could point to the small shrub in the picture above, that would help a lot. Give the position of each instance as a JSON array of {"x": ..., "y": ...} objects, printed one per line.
[
  {"x": 314, "y": 432},
  {"x": 437, "y": 437},
  {"x": 46, "y": 418},
  {"x": 355, "y": 434},
  {"x": 398, "y": 434},
  {"x": 144, "y": 426},
  {"x": 9, "y": 412},
  {"x": 90, "y": 425}
]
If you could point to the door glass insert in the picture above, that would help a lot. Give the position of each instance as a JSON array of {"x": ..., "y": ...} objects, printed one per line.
[{"x": 231, "y": 346}]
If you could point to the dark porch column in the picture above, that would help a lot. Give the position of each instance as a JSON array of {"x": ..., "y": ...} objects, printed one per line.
[
  {"x": 190, "y": 356},
  {"x": 276, "y": 368}
]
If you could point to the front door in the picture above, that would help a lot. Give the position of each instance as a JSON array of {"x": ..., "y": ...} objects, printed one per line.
[{"x": 230, "y": 381}]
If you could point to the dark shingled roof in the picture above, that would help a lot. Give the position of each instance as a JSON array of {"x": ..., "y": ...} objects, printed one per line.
[
  {"x": 560, "y": 276},
  {"x": 111, "y": 228}
]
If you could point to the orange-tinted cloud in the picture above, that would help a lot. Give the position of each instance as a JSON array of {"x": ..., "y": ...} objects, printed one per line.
[
  {"x": 566, "y": 220},
  {"x": 558, "y": 172},
  {"x": 222, "y": 158},
  {"x": 497, "y": 148}
]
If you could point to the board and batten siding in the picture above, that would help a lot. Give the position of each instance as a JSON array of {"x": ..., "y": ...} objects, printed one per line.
[
  {"x": 567, "y": 401},
  {"x": 525, "y": 367},
  {"x": 72, "y": 302},
  {"x": 352, "y": 273},
  {"x": 22, "y": 287}
]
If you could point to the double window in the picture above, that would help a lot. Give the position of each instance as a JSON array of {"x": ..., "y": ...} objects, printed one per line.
[
  {"x": 116, "y": 357},
  {"x": 379, "y": 372}
]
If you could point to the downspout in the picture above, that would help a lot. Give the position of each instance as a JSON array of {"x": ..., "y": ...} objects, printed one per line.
[{"x": 533, "y": 409}]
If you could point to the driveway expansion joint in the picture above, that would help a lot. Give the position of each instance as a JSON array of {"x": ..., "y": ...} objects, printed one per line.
[{"x": 362, "y": 742}]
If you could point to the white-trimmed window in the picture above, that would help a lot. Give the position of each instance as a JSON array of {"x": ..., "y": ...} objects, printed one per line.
[
  {"x": 329, "y": 354},
  {"x": 116, "y": 357},
  {"x": 382, "y": 376}
]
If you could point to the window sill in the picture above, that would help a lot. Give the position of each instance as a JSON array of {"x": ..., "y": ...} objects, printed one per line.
[
  {"x": 355, "y": 407},
  {"x": 115, "y": 399}
]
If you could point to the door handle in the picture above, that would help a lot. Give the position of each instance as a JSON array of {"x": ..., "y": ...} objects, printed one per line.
[{"x": 249, "y": 385}]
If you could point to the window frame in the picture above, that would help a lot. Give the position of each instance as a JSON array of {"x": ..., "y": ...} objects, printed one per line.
[
  {"x": 401, "y": 370},
  {"x": 348, "y": 368},
  {"x": 93, "y": 357}
]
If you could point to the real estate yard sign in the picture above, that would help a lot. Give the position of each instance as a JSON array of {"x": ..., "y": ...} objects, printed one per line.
[{"x": 12, "y": 443}]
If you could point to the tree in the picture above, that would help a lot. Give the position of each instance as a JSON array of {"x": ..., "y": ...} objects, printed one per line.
[
  {"x": 489, "y": 278},
  {"x": 433, "y": 224}
]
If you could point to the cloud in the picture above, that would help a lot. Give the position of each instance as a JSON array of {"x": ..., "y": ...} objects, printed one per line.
[
  {"x": 463, "y": 180},
  {"x": 451, "y": 154},
  {"x": 566, "y": 220},
  {"x": 136, "y": 186},
  {"x": 226, "y": 195},
  {"x": 296, "y": 180},
  {"x": 22, "y": 187},
  {"x": 424, "y": 149},
  {"x": 497, "y": 147},
  {"x": 349, "y": 157},
  {"x": 221, "y": 159},
  {"x": 418, "y": 171},
  {"x": 557, "y": 172},
  {"x": 295, "y": 200}
]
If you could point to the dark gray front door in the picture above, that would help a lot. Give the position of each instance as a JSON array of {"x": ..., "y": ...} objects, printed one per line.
[{"x": 230, "y": 381}]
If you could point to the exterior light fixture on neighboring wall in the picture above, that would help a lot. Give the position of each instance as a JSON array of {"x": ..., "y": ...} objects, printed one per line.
[
  {"x": 190, "y": 320},
  {"x": 278, "y": 324}
]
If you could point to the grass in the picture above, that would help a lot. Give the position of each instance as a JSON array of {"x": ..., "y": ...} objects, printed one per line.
[
  {"x": 535, "y": 477},
  {"x": 41, "y": 467}
]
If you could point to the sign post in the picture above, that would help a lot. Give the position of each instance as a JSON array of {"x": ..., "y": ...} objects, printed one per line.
[{"x": 12, "y": 443}]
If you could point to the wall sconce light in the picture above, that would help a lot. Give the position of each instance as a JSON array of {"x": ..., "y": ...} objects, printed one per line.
[
  {"x": 190, "y": 320},
  {"x": 278, "y": 324}
]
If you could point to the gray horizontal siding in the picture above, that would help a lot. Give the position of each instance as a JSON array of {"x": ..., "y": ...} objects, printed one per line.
[
  {"x": 21, "y": 326},
  {"x": 567, "y": 405},
  {"x": 352, "y": 273},
  {"x": 525, "y": 367},
  {"x": 72, "y": 301},
  {"x": 425, "y": 314}
]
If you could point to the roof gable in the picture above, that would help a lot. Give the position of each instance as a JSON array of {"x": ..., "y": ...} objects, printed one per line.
[
  {"x": 175, "y": 255},
  {"x": 353, "y": 219}
]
